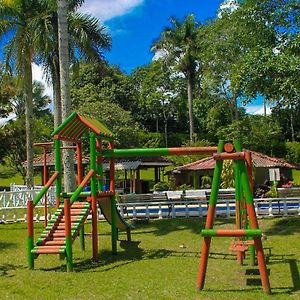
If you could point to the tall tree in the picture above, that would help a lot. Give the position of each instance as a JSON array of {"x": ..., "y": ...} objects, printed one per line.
[
  {"x": 225, "y": 42},
  {"x": 87, "y": 40},
  {"x": 178, "y": 44},
  {"x": 19, "y": 18},
  {"x": 64, "y": 66}
]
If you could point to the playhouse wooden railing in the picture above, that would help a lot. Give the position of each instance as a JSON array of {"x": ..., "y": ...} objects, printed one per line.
[{"x": 30, "y": 206}]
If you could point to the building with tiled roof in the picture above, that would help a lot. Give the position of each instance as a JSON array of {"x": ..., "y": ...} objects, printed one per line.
[{"x": 261, "y": 163}]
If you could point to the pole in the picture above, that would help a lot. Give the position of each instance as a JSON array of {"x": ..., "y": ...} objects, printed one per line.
[
  {"x": 114, "y": 231},
  {"x": 68, "y": 234},
  {"x": 254, "y": 224},
  {"x": 57, "y": 169},
  {"x": 30, "y": 242},
  {"x": 210, "y": 219},
  {"x": 93, "y": 194},
  {"x": 238, "y": 198},
  {"x": 79, "y": 180},
  {"x": 45, "y": 175},
  {"x": 248, "y": 159}
]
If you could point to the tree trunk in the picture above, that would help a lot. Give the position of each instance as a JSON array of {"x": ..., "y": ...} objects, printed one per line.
[
  {"x": 292, "y": 124},
  {"x": 190, "y": 105},
  {"x": 64, "y": 65},
  {"x": 265, "y": 107},
  {"x": 29, "y": 120},
  {"x": 56, "y": 94},
  {"x": 235, "y": 106},
  {"x": 165, "y": 129}
]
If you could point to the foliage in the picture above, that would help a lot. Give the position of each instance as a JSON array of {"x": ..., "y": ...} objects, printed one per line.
[
  {"x": 157, "y": 97},
  {"x": 227, "y": 175},
  {"x": 272, "y": 193},
  {"x": 185, "y": 159},
  {"x": 179, "y": 48},
  {"x": 184, "y": 187},
  {"x": 161, "y": 186},
  {"x": 101, "y": 82},
  {"x": 206, "y": 182},
  {"x": 151, "y": 139},
  {"x": 40, "y": 101},
  {"x": 257, "y": 133},
  {"x": 14, "y": 135},
  {"x": 293, "y": 152},
  {"x": 119, "y": 121}
]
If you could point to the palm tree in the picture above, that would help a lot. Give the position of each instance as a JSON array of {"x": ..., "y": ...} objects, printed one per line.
[
  {"x": 19, "y": 19},
  {"x": 87, "y": 39},
  {"x": 178, "y": 43}
]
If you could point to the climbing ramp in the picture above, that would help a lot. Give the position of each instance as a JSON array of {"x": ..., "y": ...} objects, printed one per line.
[{"x": 53, "y": 238}]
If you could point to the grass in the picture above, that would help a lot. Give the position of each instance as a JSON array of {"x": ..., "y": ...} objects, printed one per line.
[
  {"x": 161, "y": 263},
  {"x": 296, "y": 176},
  {"x": 8, "y": 176}
]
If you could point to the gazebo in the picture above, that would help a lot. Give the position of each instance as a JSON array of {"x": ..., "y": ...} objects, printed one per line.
[
  {"x": 131, "y": 180},
  {"x": 192, "y": 173}
]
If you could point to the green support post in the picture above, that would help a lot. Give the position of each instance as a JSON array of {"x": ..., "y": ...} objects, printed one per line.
[
  {"x": 69, "y": 254},
  {"x": 114, "y": 230},
  {"x": 30, "y": 238},
  {"x": 216, "y": 177},
  {"x": 248, "y": 193},
  {"x": 81, "y": 238},
  {"x": 58, "y": 169},
  {"x": 238, "y": 202},
  {"x": 93, "y": 194},
  {"x": 68, "y": 234}
]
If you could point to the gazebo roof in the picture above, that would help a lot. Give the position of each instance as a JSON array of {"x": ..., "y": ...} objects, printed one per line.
[
  {"x": 120, "y": 163},
  {"x": 259, "y": 160},
  {"x": 77, "y": 124}
]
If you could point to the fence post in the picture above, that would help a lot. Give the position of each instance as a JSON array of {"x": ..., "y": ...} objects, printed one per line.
[
  {"x": 270, "y": 210},
  {"x": 200, "y": 211},
  {"x": 285, "y": 213}
]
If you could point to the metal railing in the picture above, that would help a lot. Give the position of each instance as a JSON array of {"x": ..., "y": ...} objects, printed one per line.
[{"x": 13, "y": 207}]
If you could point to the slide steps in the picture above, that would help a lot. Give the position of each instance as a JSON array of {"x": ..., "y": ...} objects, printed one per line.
[{"x": 52, "y": 240}]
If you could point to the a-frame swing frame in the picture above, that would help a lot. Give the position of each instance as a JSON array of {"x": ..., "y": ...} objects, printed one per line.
[{"x": 242, "y": 190}]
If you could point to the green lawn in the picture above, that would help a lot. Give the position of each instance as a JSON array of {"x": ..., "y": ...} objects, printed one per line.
[
  {"x": 161, "y": 263},
  {"x": 296, "y": 176},
  {"x": 8, "y": 176}
]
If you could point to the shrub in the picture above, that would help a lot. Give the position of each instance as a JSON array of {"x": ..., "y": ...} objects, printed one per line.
[{"x": 160, "y": 186}]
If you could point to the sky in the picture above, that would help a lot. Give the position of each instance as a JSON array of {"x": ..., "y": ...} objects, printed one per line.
[{"x": 135, "y": 24}]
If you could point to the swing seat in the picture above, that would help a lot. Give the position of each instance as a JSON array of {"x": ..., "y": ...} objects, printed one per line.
[{"x": 240, "y": 246}]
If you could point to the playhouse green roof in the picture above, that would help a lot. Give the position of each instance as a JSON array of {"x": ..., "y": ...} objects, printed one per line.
[{"x": 77, "y": 124}]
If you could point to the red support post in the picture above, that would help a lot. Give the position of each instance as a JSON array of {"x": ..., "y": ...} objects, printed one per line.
[
  {"x": 45, "y": 175},
  {"x": 79, "y": 163}
]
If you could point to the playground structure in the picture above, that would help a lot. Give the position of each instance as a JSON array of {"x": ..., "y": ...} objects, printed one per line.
[{"x": 73, "y": 208}]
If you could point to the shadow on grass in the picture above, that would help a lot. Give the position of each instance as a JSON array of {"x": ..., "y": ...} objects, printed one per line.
[
  {"x": 133, "y": 253},
  {"x": 166, "y": 226},
  {"x": 5, "y": 269},
  {"x": 5, "y": 245},
  {"x": 286, "y": 226}
]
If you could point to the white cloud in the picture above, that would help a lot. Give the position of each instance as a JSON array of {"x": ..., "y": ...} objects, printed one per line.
[
  {"x": 108, "y": 9},
  {"x": 37, "y": 74},
  {"x": 257, "y": 109}
]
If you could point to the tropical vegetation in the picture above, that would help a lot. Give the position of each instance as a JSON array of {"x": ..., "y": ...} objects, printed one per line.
[{"x": 193, "y": 92}]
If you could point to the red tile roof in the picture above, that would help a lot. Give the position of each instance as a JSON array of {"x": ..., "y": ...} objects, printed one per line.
[{"x": 259, "y": 160}]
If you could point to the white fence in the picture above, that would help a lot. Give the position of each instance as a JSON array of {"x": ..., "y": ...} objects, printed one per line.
[{"x": 13, "y": 207}]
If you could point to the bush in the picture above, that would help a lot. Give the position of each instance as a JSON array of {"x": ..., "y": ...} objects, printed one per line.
[
  {"x": 160, "y": 186},
  {"x": 293, "y": 152},
  {"x": 184, "y": 187},
  {"x": 206, "y": 182}
]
